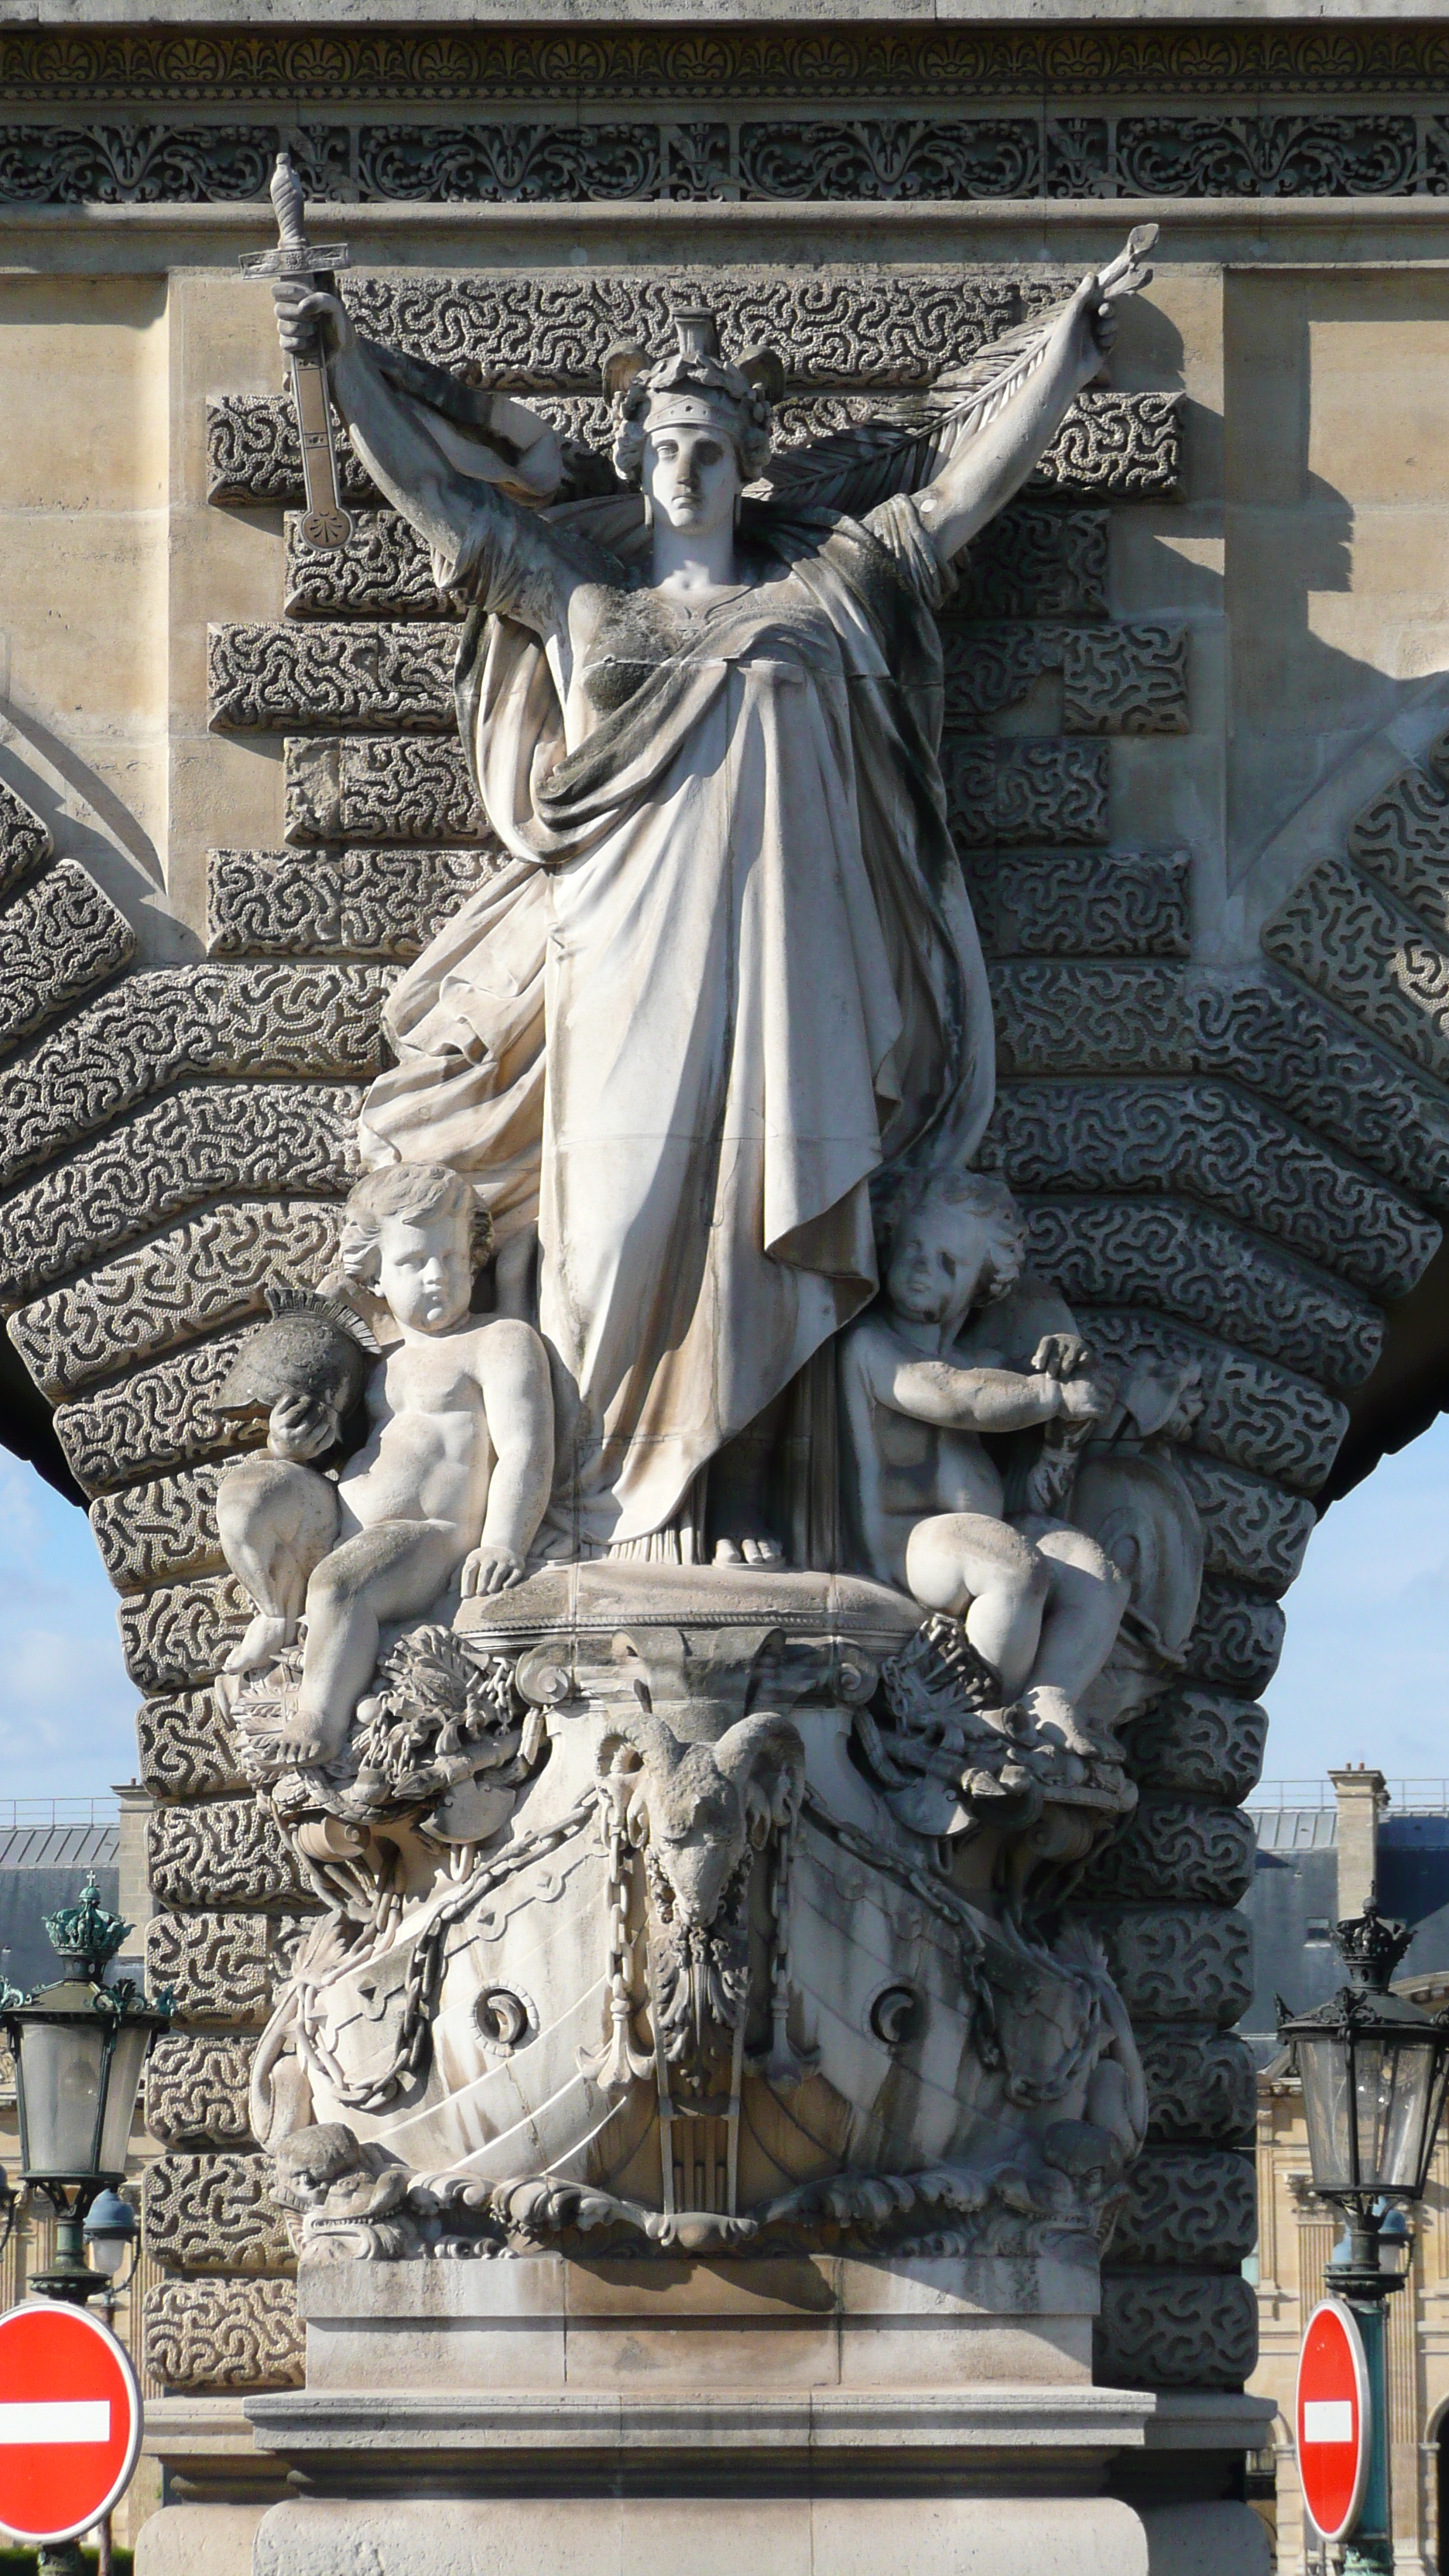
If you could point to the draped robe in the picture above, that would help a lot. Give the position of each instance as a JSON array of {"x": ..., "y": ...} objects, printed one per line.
[{"x": 725, "y": 981}]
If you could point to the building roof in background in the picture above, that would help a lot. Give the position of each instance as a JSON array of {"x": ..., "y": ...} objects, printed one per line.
[
  {"x": 60, "y": 1847},
  {"x": 1293, "y": 1900}
]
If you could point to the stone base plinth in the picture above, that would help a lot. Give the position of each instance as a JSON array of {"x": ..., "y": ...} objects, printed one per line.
[{"x": 552, "y": 2416}]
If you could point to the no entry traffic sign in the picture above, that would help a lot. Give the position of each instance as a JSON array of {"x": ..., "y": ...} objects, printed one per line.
[
  {"x": 70, "y": 2421},
  {"x": 1332, "y": 2419}
]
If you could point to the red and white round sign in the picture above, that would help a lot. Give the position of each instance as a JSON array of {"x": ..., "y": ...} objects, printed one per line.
[
  {"x": 1331, "y": 2419},
  {"x": 70, "y": 2421}
]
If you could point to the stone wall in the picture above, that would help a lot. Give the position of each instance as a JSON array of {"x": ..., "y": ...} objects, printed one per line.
[{"x": 1217, "y": 613}]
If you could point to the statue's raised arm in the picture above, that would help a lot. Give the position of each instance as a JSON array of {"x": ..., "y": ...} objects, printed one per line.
[{"x": 428, "y": 467}]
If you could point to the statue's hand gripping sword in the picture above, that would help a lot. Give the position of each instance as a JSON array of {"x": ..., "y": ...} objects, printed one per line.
[{"x": 326, "y": 523}]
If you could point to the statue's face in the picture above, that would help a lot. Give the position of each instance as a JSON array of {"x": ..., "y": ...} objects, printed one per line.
[
  {"x": 692, "y": 476},
  {"x": 425, "y": 1273},
  {"x": 941, "y": 1257}
]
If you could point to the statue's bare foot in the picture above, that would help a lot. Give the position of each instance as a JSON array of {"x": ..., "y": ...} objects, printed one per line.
[
  {"x": 307, "y": 1739},
  {"x": 1052, "y": 1715},
  {"x": 261, "y": 1645},
  {"x": 754, "y": 1547}
]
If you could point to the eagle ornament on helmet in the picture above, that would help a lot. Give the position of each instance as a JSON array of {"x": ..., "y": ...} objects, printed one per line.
[{"x": 693, "y": 388}]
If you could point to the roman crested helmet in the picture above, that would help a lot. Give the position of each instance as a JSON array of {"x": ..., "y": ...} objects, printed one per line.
[{"x": 695, "y": 388}]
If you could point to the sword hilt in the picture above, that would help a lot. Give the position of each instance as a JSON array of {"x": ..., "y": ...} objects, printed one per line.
[{"x": 288, "y": 202}]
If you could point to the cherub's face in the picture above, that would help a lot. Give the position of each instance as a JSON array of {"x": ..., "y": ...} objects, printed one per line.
[
  {"x": 692, "y": 476},
  {"x": 425, "y": 1270},
  {"x": 941, "y": 1257}
]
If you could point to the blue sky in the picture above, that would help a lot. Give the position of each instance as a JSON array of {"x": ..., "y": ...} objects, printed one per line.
[{"x": 1364, "y": 1676}]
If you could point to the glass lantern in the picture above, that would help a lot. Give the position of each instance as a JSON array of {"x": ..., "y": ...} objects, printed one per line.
[
  {"x": 1374, "y": 2069},
  {"x": 79, "y": 2047}
]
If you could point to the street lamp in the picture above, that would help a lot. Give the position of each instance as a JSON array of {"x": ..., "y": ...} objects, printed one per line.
[
  {"x": 1374, "y": 2069},
  {"x": 79, "y": 2047}
]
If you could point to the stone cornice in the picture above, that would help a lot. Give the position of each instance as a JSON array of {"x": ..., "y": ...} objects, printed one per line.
[{"x": 93, "y": 58}]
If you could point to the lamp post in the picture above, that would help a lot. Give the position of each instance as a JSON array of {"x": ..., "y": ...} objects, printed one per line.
[
  {"x": 1374, "y": 2069},
  {"x": 79, "y": 2047}
]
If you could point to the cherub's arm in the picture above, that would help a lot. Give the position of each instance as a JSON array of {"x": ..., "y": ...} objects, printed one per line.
[
  {"x": 973, "y": 1399},
  {"x": 985, "y": 471},
  {"x": 518, "y": 1403}
]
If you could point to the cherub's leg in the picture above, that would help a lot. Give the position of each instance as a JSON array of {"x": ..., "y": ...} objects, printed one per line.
[
  {"x": 988, "y": 1576},
  {"x": 276, "y": 1520},
  {"x": 392, "y": 1571},
  {"x": 1086, "y": 1597}
]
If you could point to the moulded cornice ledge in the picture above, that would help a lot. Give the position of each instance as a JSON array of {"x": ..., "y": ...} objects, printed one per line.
[{"x": 339, "y": 15}]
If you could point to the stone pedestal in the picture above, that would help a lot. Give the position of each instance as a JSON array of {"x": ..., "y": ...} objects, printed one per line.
[{"x": 544, "y": 2416}]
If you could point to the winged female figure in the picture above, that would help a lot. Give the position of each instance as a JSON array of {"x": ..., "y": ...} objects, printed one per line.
[{"x": 725, "y": 987}]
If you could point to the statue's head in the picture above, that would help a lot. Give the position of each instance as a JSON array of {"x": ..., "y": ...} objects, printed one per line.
[
  {"x": 693, "y": 429},
  {"x": 960, "y": 1244},
  {"x": 415, "y": 1234}
]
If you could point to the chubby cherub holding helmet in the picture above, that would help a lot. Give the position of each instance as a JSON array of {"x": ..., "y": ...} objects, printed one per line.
[
  {"x": 450, "y": 1484},
  {"x": 960, "y": 1347}
]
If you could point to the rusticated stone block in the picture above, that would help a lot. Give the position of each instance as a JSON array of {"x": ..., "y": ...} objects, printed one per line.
[
  {"x": 214, "y": 2214},
  {"x": 1380, "y": 962},
  {"x": 1023, "y": 791},
  {"x": 1193, "y": 2212},
  {"x": 1076, "y": 903},
  {"x": 221, "y": 2335},
  {"x": 1176, "y": 2330},
  {"x": 1036, "y": 562},
  {"x": 161, "y": 1532},
  {"x": 1222, "y": 1148},
  {"x": 1200, "y": 2086},
  {"x": 1116, "y": 446},
  {"x": 1402, "y": 838},
  {"x": 1257, "y": 1415},
  {"x": 186, "y": 1748},
  {"x": 161, "y": 1027},
  {"x": 162, "y": 1416},
  {"x": 196, "y": 2089},
  {"x": 59, "y": 938},
  {"x": 1252, "y": 1530},
  {"x": 1176, "y": 1963},
  {"x": 25, "y": 844},
  {"x": 182, "y": 1632},
  {"x": 204, "y": 1141},
  {"x": 1201, "y": 1742},
  {"x": 223, "y": 1854},
  {"x": 378, "y": 903},
  {"x": 1280, "y": 1039},
  {"x": 214, "y": 1269},
  {"x": 411, "y": 788},
  {"x": 1237, "y": 1640},
  {"x": 1125, "y": 679},
  {"x": 225, "y": 1968},
  {"x": 1180, "y": 1260},
  {"x": 1173, "y": 1847},
  {"x": 320, "y": 678},
  {"x": 1088, "y": 1016},
  {"x": 384, "y": 570},
  {"x": 254, "y": 453}
]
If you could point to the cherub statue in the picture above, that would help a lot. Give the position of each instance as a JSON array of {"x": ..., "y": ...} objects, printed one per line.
[
  {"x": 962, "y": 1346},
  {"x": 452, "y": 1480}
]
